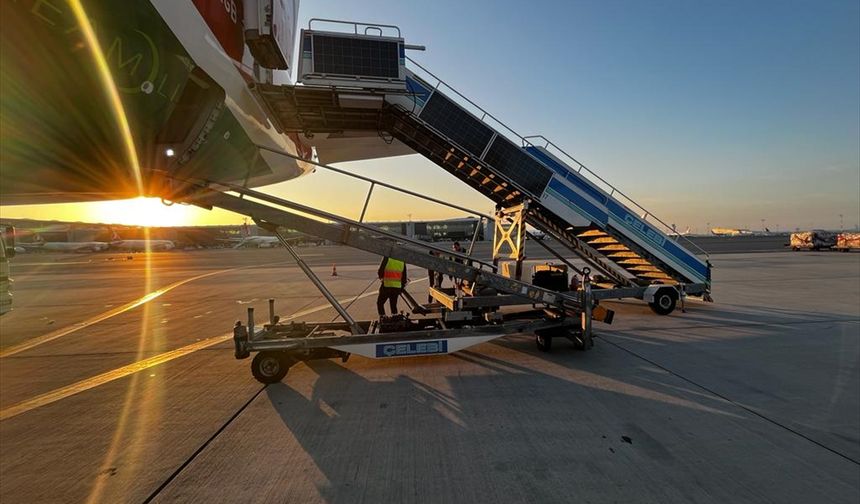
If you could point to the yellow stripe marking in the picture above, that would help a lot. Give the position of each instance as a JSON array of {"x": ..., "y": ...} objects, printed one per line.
[
  {"x": 59, "y": 333},
  {"x": 52, "y": 263},
  {"x": 95, "y": 381},
  {"x": 114, "y": 312}
]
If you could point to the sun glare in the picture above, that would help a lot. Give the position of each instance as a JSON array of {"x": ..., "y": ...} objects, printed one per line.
[{"x": 141, "y": 212}]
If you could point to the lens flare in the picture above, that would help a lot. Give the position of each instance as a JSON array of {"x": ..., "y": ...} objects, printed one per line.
[
  {"x": 109, "y": 88},
  {"x": 150, "y": 405}
]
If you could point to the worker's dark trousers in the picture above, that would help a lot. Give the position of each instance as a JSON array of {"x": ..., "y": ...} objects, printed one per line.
[
  {"x": 387, "y": 293},
  {"x": 435, "y": 282}
]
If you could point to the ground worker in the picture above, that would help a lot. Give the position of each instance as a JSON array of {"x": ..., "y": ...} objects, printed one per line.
[
  {"x": 458, "y": 249},
  {"x": 435, "y": 278},
  {"x": 393, "y": 275}
]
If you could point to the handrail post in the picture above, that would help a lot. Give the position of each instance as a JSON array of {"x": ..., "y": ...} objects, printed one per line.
[
  {"x": 366, "y": 201},
  {"x": 478, "y": 227},
  {"x": 353, "y": 326}
]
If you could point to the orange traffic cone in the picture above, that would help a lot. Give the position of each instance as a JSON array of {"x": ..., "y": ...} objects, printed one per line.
[{"x": 333, "y": 270}]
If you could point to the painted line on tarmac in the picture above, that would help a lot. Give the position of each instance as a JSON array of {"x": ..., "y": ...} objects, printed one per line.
[
  {"x": 95, "y": 381},
  {"x": 53, "y": 263},
  {"x": 64, "y": 331}
]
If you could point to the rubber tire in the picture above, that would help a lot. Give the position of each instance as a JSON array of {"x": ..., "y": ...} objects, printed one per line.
[
  {"x": 544, "y": 342},
  {"x": 270, "y": 367},
  {"x": 664, "y": 301},
  {"x": 581, "y": 344}
]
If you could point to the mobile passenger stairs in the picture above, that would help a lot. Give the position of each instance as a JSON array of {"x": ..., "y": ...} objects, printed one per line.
[{"x": 358, "y": 81}]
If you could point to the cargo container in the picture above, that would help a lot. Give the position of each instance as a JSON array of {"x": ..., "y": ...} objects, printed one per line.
[
  {"x": 847, "y": 241},
  {"x": 813, "y": 240}
]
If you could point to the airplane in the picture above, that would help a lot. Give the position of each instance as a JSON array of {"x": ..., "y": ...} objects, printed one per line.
[
  {"x": 257, "y": 242},
  {"x": 293, "y": 238},
  {"x": 686, "y": 232},
  {"x": 132, "y": 101},
  {"x": 79, "y": 247},
  {"x": 731, "y": 232},
  {"x": 248, "y": 241},
  {"x": 139, "y": 245}
]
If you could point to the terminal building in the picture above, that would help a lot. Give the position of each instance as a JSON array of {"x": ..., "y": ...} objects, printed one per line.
[
  {"x": 30, "y": 230},
  {"x": 439, "y": 230}
]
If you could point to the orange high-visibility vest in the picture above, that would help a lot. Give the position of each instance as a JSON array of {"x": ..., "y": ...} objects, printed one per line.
[{"x": 393, "y": 274}]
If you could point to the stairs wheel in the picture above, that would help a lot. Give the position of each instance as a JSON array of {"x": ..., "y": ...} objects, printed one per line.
[
  {"x": 664, "y": 301},
  {"x": 581, "y": 342},
  {"x": 543, "y": 341}
]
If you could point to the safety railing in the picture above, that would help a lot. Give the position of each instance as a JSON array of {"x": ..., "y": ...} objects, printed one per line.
[
  {"x": 613, "y": 191},
  {"x": 526, "y": 141},
  {"x": 368, "y": 27}
]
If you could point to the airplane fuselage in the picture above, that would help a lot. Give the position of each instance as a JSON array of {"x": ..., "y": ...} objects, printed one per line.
[
  {"x": 731, "y": 232},
  {"x": 181, "y": 72},
  {"x": 69, "y": 246},
  {"x": 142, "y": 245}
]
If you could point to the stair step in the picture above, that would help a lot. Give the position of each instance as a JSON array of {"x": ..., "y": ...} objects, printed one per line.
[
  {"x": 655, "y": 275},
  {"x": 636, "y": 261},
  {"x": 646, "y": 268},
  {"x": 616, "y": 246},
  {"x": 620, "y": 255},
  {"x": 591, "y": 232},
  {"x": 604, "y": 239}
]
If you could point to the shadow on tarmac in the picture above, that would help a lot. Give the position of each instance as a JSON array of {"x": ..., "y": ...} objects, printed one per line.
[{"x": 518, "y": 425}]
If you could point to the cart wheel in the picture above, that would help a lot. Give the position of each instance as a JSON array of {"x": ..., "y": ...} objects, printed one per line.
[
  {"x": 544, "y": 342},
  {"x": 664, "y": 301},
  {"x": 581, "y": 342},
  {"x": 270, "y": 367}
]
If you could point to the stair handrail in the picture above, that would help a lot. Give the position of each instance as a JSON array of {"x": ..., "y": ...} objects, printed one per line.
[
  {"x": 440, "y": 82},
  {"x": 355, "y": 25},
  {"x": 647, "y": 213},
  {"x": 525, "y": 141}
]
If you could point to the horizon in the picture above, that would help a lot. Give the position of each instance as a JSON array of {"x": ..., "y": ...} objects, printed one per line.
[
  {"x": 691, "y": 231},
  {"x": 762, "y": 100}
]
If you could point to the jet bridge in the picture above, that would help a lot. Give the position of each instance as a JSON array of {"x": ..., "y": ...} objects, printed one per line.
[{"x": 358, "y": 80}]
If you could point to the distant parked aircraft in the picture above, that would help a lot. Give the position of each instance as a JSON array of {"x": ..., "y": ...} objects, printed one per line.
[
  {"x": 731, "y": 232},
  {"x": 686, "y": 232},
  {"x": 139, "y": 245},
  {"x": 257, "y": 242},
  {"x": 88, "y": 246}
]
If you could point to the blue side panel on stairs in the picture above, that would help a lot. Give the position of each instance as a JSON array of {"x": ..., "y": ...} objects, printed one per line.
[
  {"x": 562, "y": 190},
  {"x": 603, "y": 210},
  {"x": 578, "y": 203},
  {"x": 563, "y": 172},
  {"x": 633, "y": 224}
]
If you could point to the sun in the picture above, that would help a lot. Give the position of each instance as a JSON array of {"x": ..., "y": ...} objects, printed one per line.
[{"x": 142, "y": 212}]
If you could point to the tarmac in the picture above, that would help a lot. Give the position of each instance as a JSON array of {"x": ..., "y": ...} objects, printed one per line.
[{"x": 118, "y": 384}]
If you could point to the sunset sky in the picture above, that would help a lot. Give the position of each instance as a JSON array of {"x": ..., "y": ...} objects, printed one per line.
[{"x": 724, "y": 113}]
